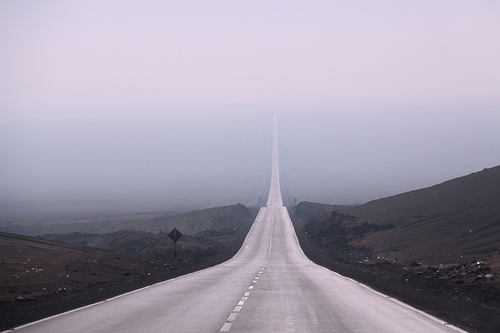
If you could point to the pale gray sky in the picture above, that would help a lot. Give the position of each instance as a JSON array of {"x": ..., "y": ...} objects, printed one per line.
[{"x": 155, "y": 101}]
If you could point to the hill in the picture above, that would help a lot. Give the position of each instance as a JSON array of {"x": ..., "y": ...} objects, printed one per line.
[
  {"x": 189, "y": 223},
  {"x": 476, "y": 189},
  {"x": 454, "y": 222},
  {"x": 435, "y": 248},
  {"x": 217, "y": 218},
  {"x": 217, "y": 230},
  {"x": 305, "y": 211}
]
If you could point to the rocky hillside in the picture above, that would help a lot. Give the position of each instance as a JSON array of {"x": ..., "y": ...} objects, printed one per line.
[
  {"x": 216, "y": 218},
  {"x": 205, "y": 232},
  {"x": 436, "y": 248},
  {"x": 305, "y": 211},
  {"x": 460, "y": 194},
  {"x": 454, "y": 222}
]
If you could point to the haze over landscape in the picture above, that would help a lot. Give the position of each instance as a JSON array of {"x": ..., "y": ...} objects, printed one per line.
[
  {"x": 124, "y": 106},
  {"x": 342, "y": 156}
]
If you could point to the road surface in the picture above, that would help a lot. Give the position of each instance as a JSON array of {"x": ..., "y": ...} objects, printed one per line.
[{"x": 269, "y": 286}]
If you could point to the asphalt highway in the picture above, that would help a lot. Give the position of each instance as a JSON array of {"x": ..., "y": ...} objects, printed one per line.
[{"x": 269, "y": 286}]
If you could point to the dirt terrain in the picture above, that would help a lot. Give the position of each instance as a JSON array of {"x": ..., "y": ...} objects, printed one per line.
[
  {"x": 457, "y": 221},
  {"x": 435, "y": 248},
  {"x": 461, "y": 295},
  {"x": 41, "y": 277}
]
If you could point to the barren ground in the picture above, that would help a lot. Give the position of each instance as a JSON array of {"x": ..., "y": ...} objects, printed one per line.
[
  {"x": 40, "y": 278},
  {"x": 466, "y": 295}
]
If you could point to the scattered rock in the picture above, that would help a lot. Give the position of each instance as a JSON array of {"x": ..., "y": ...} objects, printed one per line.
[
  {"x": 416, "y": 264},
  {"x": 25, "y": 299}
]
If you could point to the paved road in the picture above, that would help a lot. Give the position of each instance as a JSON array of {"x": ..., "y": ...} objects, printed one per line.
[{"x": 269, "y": 286}]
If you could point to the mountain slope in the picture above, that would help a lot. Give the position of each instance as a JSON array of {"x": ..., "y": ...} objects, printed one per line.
[
  {"x": 456, "y": 237},
  {"x": 474, "y": 190},
  {"x": 453, "y": 222},
  {"x": 435, "y": 248}
]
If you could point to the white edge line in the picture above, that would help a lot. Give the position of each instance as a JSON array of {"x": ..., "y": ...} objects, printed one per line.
[
  {"x": 136, "y": 290},
  {"x": 226, "y": 327},
  {"x": 423, "y": 313},
  {"x": 54, "y": 316}
]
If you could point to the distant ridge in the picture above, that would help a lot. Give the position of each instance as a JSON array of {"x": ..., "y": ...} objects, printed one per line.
[{"x": 215, "y": 218}]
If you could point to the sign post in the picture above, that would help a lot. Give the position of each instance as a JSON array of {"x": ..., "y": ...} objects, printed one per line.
[{"x": 175, "y": 235}]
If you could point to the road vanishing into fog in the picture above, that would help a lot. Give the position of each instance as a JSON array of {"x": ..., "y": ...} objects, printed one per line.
[{"x": 269, "y": 286}]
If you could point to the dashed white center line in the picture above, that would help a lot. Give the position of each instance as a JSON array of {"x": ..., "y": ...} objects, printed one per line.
[
  {"x": 229, "y": 322},
  {"x": 226, "y": 327}
]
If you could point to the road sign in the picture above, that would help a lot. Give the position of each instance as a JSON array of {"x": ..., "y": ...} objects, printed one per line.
[{"x": 175, "y": 235}]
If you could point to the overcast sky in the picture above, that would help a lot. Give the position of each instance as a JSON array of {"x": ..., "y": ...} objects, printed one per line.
[{"x": 166, "y": 103}]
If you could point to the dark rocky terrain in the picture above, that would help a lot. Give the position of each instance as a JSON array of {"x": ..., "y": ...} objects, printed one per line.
[
  {"x": 457, "y": 221},
  {"x": 40, "y": 277},
  {"x": 435, "y": 248}
]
